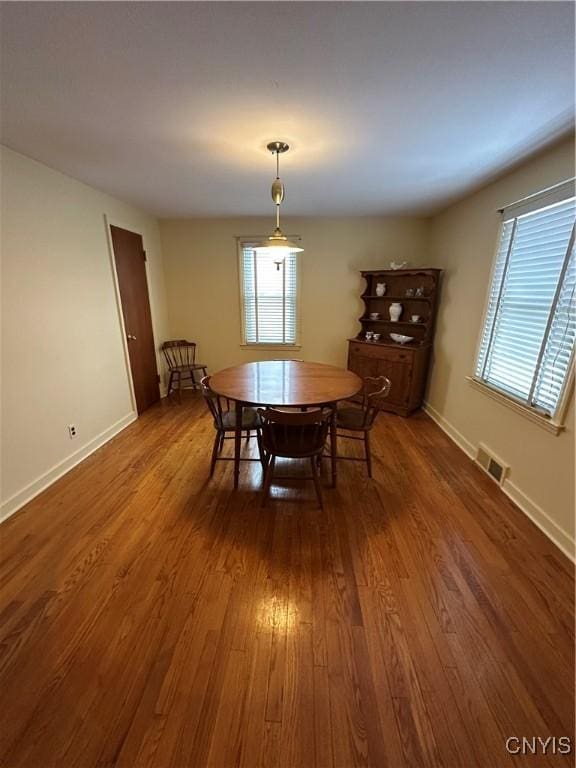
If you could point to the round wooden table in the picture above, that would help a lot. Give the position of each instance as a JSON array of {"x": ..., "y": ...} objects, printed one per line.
[{"x": 284, "y": 383}]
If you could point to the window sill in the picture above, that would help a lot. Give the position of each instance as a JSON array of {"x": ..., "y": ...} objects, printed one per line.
[
  {"x": 272, "y": 347},
  {"x": 542, "y": 421}
]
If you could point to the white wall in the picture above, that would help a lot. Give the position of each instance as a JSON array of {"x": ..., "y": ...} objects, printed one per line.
[
  {"x": 62, "y": 349},
  {"x": 201, "y": 263},
  {"x": 463, "y": 242}
]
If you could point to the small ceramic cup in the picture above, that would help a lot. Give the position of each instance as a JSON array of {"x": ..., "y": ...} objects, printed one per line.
[
  {"x": 369, "y": 335},
  {"x": 415, "y": 319},
  {"x": 375, "y": 337},
  {"x": 374, "y": 315}
]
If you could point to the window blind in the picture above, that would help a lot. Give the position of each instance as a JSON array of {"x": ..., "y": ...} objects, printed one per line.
[
  {"x": 527, "y": 342},
  {"x": 269, "y": 298}
]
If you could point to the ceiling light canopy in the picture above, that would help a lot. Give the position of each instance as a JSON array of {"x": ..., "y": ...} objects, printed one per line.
[{"x": 277, "y": 245}]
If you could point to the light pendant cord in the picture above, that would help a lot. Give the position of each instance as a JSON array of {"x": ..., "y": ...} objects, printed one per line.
[
  {"x": 276, "y": 244},
  {"x": 278, "y": 179}
]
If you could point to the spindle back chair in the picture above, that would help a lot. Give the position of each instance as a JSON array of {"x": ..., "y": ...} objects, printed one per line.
[
  {"x": 180, "y": 356},
  {"x": 294, "y": 435},
  {"x": 361, "y": 418},
  {"x": 224, "y": 420}
]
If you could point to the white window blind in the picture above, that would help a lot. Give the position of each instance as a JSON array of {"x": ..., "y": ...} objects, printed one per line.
[
  {"x": 269, "y": 297},
  {"x": 528, "y": 336}
]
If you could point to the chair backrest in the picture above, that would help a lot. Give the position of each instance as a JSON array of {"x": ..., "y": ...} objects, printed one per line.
[
  {"x": 294, "y": 434},
  {"x": 213, "y": 401},
  {"x": 375, "y": 388},
  {"x": 179, "y": 353}
]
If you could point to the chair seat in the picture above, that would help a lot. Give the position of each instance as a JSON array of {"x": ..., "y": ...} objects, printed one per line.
[
  {"x": 350, "y": 418},
  {"x": 191, "y": 367},
  {"x": 250, "y": 419}
]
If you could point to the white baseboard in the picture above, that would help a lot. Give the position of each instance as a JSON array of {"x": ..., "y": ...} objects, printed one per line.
[
  {"x": 19, "y": 499},
  {"x": 539, "y": 517}
]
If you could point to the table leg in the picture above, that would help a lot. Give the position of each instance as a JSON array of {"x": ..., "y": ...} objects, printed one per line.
[
  {"x": 333, "y": 445},
  {"x": 237, "y": 443}
]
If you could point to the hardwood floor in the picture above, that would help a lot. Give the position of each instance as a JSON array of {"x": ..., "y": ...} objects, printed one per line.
[{"x": 151, "y": 617}]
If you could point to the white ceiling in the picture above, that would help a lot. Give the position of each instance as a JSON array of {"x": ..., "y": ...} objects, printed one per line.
[{"x": 390, "y": 107}]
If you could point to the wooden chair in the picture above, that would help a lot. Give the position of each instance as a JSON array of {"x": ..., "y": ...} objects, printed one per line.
[
  {"x": 293, "y": 435},
  {"x": 180, "y": 356},
  {"x": 224, "y": 417},
  {"x": 360, "y": 418}
]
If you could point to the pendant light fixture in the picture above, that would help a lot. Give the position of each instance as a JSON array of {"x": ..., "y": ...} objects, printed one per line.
[{"x": 277, "y": 244}]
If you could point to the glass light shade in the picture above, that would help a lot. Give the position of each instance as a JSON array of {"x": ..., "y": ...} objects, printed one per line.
[{"x": 277, "y": 245}]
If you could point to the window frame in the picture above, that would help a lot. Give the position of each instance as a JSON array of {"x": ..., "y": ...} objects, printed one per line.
[
  {"x": 241, "y": 242},
  {"x": 554, "y": 423}
]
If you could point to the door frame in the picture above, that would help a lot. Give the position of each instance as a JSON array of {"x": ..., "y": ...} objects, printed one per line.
[{"x": 112, "y": 221}]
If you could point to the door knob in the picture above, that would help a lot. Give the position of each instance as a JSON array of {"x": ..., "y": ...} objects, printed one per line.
[{"x": 130, "y": 337}]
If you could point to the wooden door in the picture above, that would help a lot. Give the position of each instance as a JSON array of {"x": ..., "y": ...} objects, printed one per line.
[
  {"x": 130, "y": 259},
  {"x": 400, "y": 373},
  {"x": 363, "y": 365},
  {"x": 397, "y": 371}
]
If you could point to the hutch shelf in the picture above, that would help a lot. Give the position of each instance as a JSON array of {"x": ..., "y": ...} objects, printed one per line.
[{"x": 406, "y": 365}]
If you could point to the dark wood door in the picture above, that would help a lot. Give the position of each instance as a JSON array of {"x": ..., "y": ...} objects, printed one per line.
[
  {"x": 379, "y": 361},
  {"x": 399, "y": 372},
  {"x": 130, "y": 261},
  {"x": 363, "y": 366}
]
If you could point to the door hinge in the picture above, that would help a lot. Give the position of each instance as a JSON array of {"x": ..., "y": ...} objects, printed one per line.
[
  {"x": 158, "y": 377},
  {"x": 144, "y": 255}
]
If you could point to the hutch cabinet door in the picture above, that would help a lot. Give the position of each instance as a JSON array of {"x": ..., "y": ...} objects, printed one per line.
[
  {"x": 362, "y": 365},
  {"x": 400, "y": 373}
]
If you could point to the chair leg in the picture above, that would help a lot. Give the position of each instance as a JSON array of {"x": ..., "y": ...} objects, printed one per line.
[
  {"x": 268, "y": 479},
  {"x": 179, "y": 386},
  {"x": 247, "y": 436},
  {"x": 333, "y": 446},
  {"x": 221, "y": 439},
  {"x": 170, "y": 382},
  {"x": 314, "y": 465},
  {"x": 261, "y": 449},
  {"x": 215, "y": 452},
  {"x": 367, "y": 451}
]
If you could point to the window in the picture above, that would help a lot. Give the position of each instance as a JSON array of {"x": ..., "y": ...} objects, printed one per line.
[
  {"x": 269, "y": 298},
  {"x": 527, "y": 342}
]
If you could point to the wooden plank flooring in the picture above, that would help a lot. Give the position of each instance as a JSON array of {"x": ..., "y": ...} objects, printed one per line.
[{"x": 153, "y": 617}]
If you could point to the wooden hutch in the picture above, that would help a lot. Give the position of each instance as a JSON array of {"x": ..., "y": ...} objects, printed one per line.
[{"x": 406, "y": 365}]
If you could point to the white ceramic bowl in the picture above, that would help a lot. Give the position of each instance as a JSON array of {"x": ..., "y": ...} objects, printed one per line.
[{"x": 399, "y": 338}]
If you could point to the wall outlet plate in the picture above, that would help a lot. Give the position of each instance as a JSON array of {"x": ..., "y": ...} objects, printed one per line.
[{"x": 72, "y": 432}]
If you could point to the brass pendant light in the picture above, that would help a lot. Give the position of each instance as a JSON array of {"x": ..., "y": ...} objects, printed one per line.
[{"x": 277, "y": 244}]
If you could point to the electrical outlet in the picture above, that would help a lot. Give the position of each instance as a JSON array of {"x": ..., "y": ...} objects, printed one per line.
[{"x": 72, "y": 431}]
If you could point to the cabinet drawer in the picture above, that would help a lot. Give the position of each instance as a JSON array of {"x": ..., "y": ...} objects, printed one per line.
[{"x": 381, "y": 352}]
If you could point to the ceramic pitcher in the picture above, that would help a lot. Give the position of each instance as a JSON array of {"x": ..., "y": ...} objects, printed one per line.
[{"x": 380, "y": 289}]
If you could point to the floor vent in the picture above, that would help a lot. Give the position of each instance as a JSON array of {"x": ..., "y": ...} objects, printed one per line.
[{"x": 491, "y": 464}]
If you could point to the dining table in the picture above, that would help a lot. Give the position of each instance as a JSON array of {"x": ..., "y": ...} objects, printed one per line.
[{"x": 284, "y": 384}]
